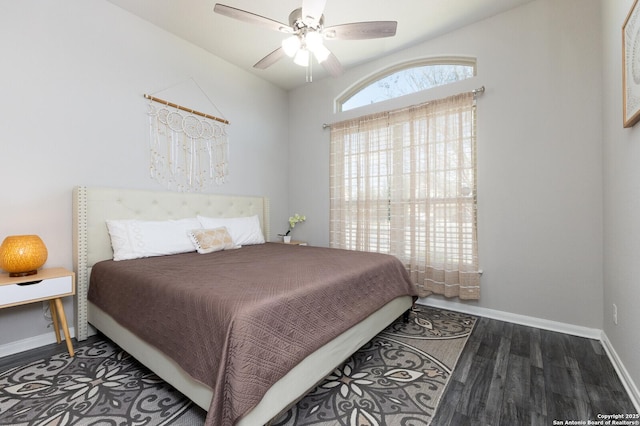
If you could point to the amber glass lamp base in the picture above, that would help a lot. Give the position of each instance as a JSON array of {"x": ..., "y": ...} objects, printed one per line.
[{"x": 22, "y": 255}]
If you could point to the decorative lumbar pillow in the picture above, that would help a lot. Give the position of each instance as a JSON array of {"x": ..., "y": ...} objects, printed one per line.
[
  {"x": 133, "y": 239},
  {"x": 210, "y": 240},
  {"x": 243, "y": 230}
]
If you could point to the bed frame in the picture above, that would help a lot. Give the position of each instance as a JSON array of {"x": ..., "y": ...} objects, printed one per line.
[{"x": 91, "y": 244}]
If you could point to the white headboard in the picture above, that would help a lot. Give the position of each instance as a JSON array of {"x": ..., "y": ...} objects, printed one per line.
[{"x": 93, "y": 206}]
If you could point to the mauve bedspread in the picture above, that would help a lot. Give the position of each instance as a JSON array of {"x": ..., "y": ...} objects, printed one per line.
[{"x": 239, "y": 320}]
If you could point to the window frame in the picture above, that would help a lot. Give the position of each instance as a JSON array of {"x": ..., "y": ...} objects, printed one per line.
[{"x": 416, "y": 63}]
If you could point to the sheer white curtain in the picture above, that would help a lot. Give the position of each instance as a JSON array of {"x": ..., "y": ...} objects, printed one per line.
[{"x": 404, "y": 183}]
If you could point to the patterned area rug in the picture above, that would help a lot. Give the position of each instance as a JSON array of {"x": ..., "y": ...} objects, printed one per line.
[{"x": 396, "y": 378}]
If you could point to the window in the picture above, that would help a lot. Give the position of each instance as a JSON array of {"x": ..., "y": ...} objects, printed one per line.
[
  {"x": 407, "y": 78},
  {"x": 404, "y": 183}
]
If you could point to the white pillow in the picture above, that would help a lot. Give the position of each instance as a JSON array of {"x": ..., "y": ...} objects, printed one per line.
[
  {"x": 243, "y": 230},
  {"x": 210, "y": 240},
  {"x": 133, "y": 239}
]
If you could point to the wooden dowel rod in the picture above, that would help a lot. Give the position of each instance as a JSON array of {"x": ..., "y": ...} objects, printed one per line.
[{"x": 180, "y": 107}]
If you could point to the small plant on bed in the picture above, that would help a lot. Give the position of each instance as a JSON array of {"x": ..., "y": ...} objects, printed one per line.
[{"x": 293, "y": 220}]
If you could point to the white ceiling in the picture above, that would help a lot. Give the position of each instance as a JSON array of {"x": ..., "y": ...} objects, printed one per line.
[{"x": 244, "y": 44}]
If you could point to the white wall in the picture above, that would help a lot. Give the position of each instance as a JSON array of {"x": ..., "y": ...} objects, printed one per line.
[
  {"x": 621, "y": 148},
  {"x": 72, "y": 113},
  {"x": 539, "y": 155}
]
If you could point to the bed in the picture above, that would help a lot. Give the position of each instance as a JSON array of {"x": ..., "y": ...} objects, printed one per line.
[{"x": 93, "y": 207}]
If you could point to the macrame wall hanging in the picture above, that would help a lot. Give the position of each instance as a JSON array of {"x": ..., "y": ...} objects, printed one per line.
[{"x": 189, "y": 149}]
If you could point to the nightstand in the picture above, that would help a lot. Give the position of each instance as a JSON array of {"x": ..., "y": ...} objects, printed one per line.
[
  {"x": 293, "y": 243},
  {"x": 50, "y": 284}
]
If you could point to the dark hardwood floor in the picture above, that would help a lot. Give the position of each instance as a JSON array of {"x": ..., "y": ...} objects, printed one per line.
[{"x": 508, "y": 374}]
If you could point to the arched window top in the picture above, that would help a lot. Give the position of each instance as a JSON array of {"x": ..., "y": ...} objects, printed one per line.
[{"x": 407, "y": 78}]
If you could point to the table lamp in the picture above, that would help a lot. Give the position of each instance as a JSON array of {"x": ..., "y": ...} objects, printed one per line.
[{"x": 22, "y": 255}]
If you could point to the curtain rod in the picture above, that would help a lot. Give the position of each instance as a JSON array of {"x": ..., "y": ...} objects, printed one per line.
[
  {"x": 476, "y": 92},
  {"x": 180, "y": 107}
]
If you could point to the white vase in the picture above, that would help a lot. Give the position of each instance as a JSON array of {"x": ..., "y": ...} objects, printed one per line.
[{"x": 286, "y": 239}]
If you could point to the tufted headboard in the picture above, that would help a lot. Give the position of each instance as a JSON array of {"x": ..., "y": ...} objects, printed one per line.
[{"x": 93, "y": 206}]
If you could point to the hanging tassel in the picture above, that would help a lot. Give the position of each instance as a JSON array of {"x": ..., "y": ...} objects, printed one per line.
[{"x": 186, "y": 153}]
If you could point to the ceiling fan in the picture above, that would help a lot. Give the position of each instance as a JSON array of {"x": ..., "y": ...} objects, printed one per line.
[{"x": 306, "y": 34}]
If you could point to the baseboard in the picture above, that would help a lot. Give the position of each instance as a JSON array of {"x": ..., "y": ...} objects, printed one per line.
[
  {"x": 625, "y": 378},
  {"x": 574, "y": 330},
  {"x": 18, "y": 346},
  {"x": 590, "y": 333}
]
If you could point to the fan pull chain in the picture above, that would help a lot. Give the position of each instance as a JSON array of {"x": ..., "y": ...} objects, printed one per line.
[{"x": 309, "y": 78}]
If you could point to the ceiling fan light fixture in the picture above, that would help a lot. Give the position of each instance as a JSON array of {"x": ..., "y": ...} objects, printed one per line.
[
  {"x": 306, "y": 33},
  {"x": 313, "y": 40},
  {"x": 302, "y": 58},
  {"x": 291, "y": 45},
  {"x": 321, "y": 53}
]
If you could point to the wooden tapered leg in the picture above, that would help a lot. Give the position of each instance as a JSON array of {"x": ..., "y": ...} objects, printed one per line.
[{"x": 63, "y": 321}]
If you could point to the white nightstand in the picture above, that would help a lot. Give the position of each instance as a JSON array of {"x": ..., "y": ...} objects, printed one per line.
[{"x": 48, "y": 284}]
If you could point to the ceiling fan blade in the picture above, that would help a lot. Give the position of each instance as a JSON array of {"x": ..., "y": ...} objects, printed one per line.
[
  {"x": 361, "y": 30},
  {"x": 312, "y": 11},
  {"x": 252, "y": 18},
  {"x": 333, "y": 66},
  {"x": 270, "y": 59}
]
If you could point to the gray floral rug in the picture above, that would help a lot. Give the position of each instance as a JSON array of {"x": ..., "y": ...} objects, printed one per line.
[
  {"x": 396, "y": 378},
  {"x": 101, "y": 385}
]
